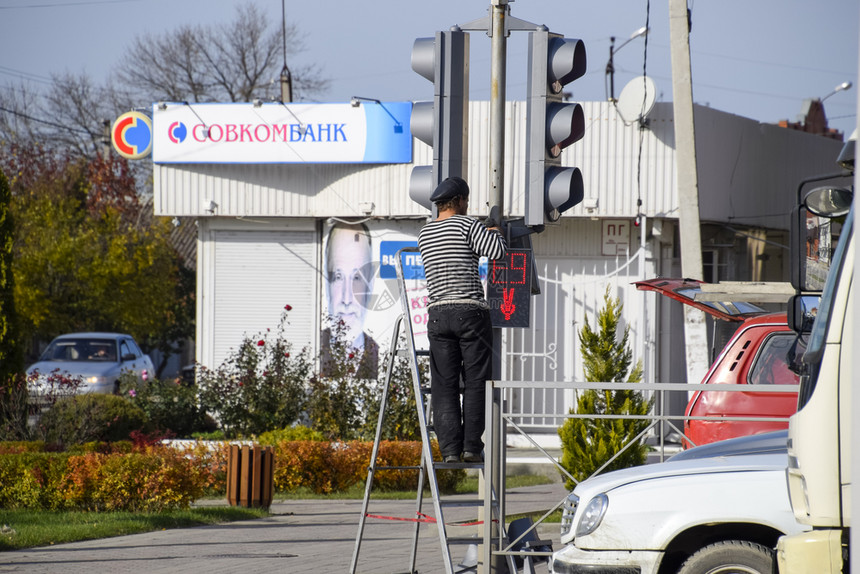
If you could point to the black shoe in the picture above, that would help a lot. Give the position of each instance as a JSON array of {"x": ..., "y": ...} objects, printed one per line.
[
  {"x": 451, "y": 458},
  {"x": 472, "y": 457}
]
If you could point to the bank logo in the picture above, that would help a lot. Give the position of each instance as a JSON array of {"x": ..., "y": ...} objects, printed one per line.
[
  {"x": 177, "y": 132},
  {"x": 132, "y": 135}
]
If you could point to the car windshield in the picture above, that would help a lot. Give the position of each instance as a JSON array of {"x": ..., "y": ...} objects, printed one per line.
[{"x": 83, "y": 349}]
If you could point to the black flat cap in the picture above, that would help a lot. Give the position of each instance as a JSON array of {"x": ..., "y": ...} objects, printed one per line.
[{"x": 449, "y": 189}]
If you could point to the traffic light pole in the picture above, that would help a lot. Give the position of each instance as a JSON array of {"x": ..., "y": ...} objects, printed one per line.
[
  {"x": 499, "y": 44},
  {"x": 498, "y": 97}
]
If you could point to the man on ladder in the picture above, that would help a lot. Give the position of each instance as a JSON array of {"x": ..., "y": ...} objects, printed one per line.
[{"x": 459, "y": 327}]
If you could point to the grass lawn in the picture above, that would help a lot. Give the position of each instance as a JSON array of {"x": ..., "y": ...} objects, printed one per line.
[{"x": 28, "y": 528}]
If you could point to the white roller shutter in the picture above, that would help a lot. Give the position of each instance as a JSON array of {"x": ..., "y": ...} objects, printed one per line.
[{"x": 256, "y": 274}]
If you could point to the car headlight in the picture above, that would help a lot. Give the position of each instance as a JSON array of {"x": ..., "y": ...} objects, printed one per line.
[
  {"x": 592, "y": 515},
  {"x": 95, "y": 380},
  {"x": 568, "y": 512}
]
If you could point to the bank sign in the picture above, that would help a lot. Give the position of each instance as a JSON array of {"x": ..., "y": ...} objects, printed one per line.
[{"x": 282, "y": 133}]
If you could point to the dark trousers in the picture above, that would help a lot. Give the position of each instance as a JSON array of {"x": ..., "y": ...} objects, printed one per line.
[{"x": 461, "y": 342}]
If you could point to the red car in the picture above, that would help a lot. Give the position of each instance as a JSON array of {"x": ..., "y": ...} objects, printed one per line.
[{"x": 763, "y": 350}]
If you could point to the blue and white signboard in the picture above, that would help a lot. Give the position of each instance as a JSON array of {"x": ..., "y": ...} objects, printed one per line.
[{"x": 282, "y": 133}]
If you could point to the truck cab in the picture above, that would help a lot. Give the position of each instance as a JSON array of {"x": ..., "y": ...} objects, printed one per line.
[{"x": 819, "y": 441}]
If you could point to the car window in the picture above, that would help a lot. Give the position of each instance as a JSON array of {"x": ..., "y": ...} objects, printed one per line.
[
  {"x": 125, "y": 350},
  {"x": 68, "y": 350},
  {"x": 134, "y": 348},
  {"x": 103, "y": 350},
  {"x": 778, "y": 360},
  {"x": 80, "y": 350}
]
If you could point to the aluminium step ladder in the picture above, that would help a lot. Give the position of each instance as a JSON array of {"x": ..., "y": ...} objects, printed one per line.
[{"x": 428, "y": 466}]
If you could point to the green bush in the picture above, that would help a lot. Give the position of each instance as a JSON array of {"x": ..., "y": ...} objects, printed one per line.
[
  {"x": 170, "y": 406},
  {"x": 259, "y": 387},
  {"x": 296, "y": 433},
  {"x": 20, "y": 446},
  {"x": 589, "y": 443},
  {"x": 91, "y": 417},
  {"x": 150, "y": 479},
  {"x": 155, "y": 479},
  {"x": 33, "y": 480}
]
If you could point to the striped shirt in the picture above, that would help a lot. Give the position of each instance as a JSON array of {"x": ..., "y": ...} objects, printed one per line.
[{"x": 450, "y": 249}]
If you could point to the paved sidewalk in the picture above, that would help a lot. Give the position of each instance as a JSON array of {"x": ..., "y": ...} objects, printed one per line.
[{"x": 300, "y": 536}]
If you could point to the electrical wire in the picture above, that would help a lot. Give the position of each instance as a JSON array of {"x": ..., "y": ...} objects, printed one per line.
[
  {"x": 46, "y": 122},
  {"x": 642, "y": 120}
]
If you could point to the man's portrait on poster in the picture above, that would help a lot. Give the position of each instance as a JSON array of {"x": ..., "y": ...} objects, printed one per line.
[{"x": 349, "y": 287}]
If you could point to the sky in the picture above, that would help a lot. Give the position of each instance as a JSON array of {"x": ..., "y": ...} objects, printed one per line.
[{"x": 754, "y": 58}]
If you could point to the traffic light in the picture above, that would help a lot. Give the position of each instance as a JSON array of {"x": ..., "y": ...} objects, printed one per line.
[
  {"x": 552, "y": 125},
  {"x": 442, "y": 123}
]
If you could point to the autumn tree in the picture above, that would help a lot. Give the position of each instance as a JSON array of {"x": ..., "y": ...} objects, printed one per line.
[{"x": 83, "y": 258}]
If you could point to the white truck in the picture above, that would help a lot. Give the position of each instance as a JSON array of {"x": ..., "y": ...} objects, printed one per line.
[{"x": 819, "y": 441}]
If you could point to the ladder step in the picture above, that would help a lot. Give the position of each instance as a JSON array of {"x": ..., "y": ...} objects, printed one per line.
[
  {"x": 463, "y": 540},
  {"x": 453, "y": 465},
  {"x": 463, "y": 502},
  {"x": 416, "y": 467}
]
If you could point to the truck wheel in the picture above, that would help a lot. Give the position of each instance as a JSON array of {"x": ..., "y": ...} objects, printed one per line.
[{"x": 730, "y": 557}]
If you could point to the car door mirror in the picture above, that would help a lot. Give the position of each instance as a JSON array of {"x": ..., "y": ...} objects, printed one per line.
[
  {"x": 128, "y": 357},
  {"x": 802, "y": 310}
]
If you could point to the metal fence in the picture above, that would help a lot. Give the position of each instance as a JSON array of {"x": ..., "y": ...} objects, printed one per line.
[{"x": 503, "y": 420}]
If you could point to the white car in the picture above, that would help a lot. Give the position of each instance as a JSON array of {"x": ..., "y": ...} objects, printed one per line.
[
  {"x": 95, "y": 360},
  {"x": 718, "y": 508}
]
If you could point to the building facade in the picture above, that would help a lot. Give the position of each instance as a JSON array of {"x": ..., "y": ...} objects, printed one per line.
[{"x": 263, "y": 229}]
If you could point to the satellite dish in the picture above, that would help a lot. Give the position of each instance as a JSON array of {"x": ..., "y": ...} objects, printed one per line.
[{"x": 637, "y": 99}]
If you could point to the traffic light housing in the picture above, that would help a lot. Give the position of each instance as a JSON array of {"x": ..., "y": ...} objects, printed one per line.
[
  {"x": 552, "y": 125},
  {"x": 442, "y": 123}
]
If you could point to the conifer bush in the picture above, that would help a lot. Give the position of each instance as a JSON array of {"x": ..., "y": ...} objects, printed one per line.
[{"x": 589, "y": 443}]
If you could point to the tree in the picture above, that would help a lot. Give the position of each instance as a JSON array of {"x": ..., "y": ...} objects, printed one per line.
[
  {"x": 236, "y": 62},
  {"x": 10, "y": 343},
  {"x": 84, "y": 259},
  {"x": 589, "y": 443}
]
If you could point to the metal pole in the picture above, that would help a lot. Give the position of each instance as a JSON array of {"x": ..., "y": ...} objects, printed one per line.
[
  {"x": 610, "y": 69},
  {"x": 498, "y": 98},
  {"x": 497, "y": 105}
]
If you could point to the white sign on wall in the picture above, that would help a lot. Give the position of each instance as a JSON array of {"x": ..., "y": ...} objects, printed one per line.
[
  {"x": 616, "y": 236},
  {"x": 282, "y": 133}
]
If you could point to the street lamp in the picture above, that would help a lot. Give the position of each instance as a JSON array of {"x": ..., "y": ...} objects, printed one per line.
[
  {"x": 610, "y": 65},
  {"x": 840, "y": 88}
]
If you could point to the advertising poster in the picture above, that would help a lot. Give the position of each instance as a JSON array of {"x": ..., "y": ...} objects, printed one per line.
[{"x": 363, "y": 295}]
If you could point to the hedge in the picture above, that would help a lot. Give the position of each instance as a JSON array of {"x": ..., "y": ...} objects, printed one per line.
[{"x": 112, "y": 476}]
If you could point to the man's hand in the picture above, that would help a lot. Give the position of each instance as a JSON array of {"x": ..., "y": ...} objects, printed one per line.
[{"x": 493, "y": 220}]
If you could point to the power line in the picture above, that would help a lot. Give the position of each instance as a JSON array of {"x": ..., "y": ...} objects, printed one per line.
[
  {"x": 46, "y": 122},
  {"x": 65, "y": 4},
  {"x": 24, "y": 75}
]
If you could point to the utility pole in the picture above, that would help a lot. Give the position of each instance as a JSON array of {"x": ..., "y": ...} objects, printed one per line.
[{"x": 688, "y": 185}]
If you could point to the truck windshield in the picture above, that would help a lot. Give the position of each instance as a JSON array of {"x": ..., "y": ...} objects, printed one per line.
[{"x": 815, "y": 346}]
